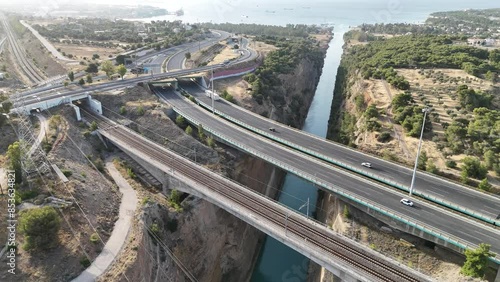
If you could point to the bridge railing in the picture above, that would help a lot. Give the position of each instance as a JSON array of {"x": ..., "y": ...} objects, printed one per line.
[
  {"x": 462, "y": 244},
  {"x": 384, "y": 180},
  {"x": 289, "y": 211}
]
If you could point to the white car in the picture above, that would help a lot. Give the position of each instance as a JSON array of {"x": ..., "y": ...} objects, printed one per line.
[
  {"x": 406, "y": 202},
  {"x": 368, "y": 165}
]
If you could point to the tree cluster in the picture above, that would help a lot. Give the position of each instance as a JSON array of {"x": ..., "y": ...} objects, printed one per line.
[
  {"x": 420, "y": 51},
  {"x": 409, "y": 115},
  {"x": 265, "y": 82},
  {"x": 290, "y": 30}
]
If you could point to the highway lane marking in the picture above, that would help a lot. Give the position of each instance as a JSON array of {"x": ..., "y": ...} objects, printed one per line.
[{"x": 440, "y": 193}]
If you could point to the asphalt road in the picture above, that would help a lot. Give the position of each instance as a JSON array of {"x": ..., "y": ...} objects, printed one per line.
[
  {"x": 175, "y": 62},
  {"x": 148, "y": 58},
  {"x": 32, "y": 98},
  {"x": 438, "y": 219},
  {"x": 485, "y": 204}
]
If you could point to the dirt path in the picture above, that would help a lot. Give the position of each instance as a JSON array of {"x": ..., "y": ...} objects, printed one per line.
[
  {"x": 44, "y": 126},
  {"x": 396, "y": 127},
  {"x": 120, "y": 232}
]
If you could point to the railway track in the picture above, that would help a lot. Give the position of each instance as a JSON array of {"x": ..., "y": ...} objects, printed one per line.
[
  {"x": 328, "y": 242},
  {"x": 26, "y": 65}
]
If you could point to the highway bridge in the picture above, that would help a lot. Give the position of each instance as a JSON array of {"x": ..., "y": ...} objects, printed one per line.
[
  {"x": 342, "y": 256},
  {"x": 483, "y": 206},
  {"x": 448, "y": 228}
]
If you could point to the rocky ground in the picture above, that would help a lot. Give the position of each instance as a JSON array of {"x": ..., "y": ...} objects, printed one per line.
[
  {"x": 213, "y": 244},
  {"x": 94, "y": 198},
  {"x": 437, "y": 262}
]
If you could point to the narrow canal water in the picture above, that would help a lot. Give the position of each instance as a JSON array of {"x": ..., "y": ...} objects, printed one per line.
[{"x": 276, "y": 261}]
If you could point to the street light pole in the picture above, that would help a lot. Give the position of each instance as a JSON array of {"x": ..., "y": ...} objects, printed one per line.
[
  {"x": 425, "y": 111},
  {"x": 213, "y": 93}
]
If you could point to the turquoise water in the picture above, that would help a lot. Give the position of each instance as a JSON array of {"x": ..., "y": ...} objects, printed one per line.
[{"x": 277, "y": 262}]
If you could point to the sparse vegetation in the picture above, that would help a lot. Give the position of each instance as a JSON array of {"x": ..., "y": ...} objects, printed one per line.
[
  {"x": 94, "y": 238},
  {"x": 39, "y": 227},
  {"x": 476, "y": 261}
]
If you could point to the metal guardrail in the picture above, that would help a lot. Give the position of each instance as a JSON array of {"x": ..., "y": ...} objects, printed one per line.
[
  {"x": 354, "y": 169},
  {"x": 392, "y": 214}
]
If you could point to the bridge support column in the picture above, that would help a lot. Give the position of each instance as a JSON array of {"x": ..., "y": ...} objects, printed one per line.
[
  {"x": 497, "y": 279},
  {"x": 95, "y": 105},
  {"x": 203, "y": 82},
  {"x": 77, "y": 112}
]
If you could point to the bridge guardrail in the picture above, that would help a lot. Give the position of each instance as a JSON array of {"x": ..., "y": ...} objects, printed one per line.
[
  {"x": 311, "y": 178},
  {"x": 351, "y": 168},
  {"x": 310, "y": 220}
]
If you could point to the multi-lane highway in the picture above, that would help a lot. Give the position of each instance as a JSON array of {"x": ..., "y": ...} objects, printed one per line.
[
  {"x": 434, "y": 218},
  {"x": 472, "y": 200}
]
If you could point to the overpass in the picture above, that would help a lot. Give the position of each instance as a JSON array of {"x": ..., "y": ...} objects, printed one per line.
[
  {"x": 424, "y": 220},
  {"x": 340, "y": 255},
  {"x": 23, "y": 103},
  {"x": 483, "y": 206}
]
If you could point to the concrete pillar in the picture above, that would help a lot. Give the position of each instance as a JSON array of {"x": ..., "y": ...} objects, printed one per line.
[
  {"x": 497, "y": 279},
  {"x": 95, "y": 105},
  {"x": 77, "y": 112},
  {"x": 203, "y": 82}
]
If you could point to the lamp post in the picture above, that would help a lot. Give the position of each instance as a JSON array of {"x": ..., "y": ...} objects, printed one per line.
[
  {"x": 425, "y": 111},
  {"x": 213, "y": 93}
]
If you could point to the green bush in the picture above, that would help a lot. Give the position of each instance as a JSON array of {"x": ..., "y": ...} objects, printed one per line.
[
  {"x": 346, "y": 212},
  {"x": 189, "y": 130},
  {"x": 476, "y": 261},
  {"x": 123, "y": 110},
  {"x": 67, "y": 172},
  {"x": 484, "y": 185},
  {"x": 140, "y": 110},
  {"x": 451, "y": 164},
  {"x": 39, "y": 227},
  {"x": 93, "y": 126},
  {"x": 180, "y": 121},
  {"x": 94, "y": 238},
  {"x": 131, "y": 173},
  {"x": 210, "y": 142},
  {"x": 384, "y": 137},
  {"x": 85, "y": 262},
  {"x": 154, "y": 229}
]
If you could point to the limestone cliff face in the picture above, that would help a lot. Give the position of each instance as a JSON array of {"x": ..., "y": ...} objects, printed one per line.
[
  {"x": 299, "y": 88},
  {"x": 211, "y": 243}
]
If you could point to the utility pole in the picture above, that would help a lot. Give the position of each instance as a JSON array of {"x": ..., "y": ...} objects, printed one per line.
[
  {"x": 213, "y": 93},
  {"x": 425, "y": 111}
]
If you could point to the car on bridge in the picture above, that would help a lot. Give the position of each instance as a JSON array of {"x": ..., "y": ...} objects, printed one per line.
[
  {"x": 368, "y": 165},
  {"x": 406, "y": 202}
]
